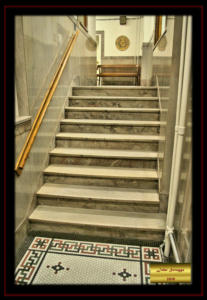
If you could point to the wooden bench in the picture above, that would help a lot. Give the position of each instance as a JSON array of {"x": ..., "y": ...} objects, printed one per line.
[{"x": 115, "y": 71}]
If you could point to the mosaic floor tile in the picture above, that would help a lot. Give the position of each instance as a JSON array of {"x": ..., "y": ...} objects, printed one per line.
[
  {"x": 151, "y": 254},
  {"x": 70, "y": 269},
  {"x": 60, "y": 261},
  {"x": 146, "y": 272}
]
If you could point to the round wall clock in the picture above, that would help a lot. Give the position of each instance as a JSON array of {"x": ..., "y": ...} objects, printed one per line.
[{"x": 122, "y": 42}]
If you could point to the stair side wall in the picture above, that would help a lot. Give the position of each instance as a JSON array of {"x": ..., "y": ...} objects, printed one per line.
[{"x": 75, "y": 73}]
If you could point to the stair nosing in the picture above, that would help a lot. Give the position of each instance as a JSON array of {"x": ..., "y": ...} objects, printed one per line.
[
  {"x": 110, "y": 122},
  {"x": 115, "y": 87},
  {"x": 124, "y": 98},
  {"x": 118, "y": 87},
  {"x": 125, "y": 154},
  {"x": 107, "y": 137},
  {"x": 101, "y": 172},
  {"x": 112, "y": 109}
]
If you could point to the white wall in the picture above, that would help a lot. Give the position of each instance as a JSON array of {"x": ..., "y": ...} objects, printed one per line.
[
  {"x": 92, "y": 26},
  {"x": 148, "y": 28},
  {"x": 138, "y": 29},
  {"x": 112, "y": 30},
  {"x": 98, "y": 49}
]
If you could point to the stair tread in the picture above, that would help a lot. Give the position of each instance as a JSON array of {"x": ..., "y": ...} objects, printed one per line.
[
  {"x": 98, "y": 192},
  {"x": 113, "y": 109},
  {"x": 105, "y": 172},
  {"x": 110, "y": 122},
  {"x": 67, "y": 215},
  {"x": 103, "y": 136},
  {"x": 117, "y": 87},
  {"x": 111, "y": 97},
  {"x": 113, "y": 153}
]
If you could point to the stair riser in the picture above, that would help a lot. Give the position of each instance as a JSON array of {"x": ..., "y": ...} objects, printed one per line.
[
  {"x": 108, "y": 162},
  {"x": 93, "y": 128},
  {"x": 95, "y": 144},
  {"x": 114, "y": 103},
  {"x": 112, "y": 115},
  {"x": 100, "y": 181},
  {"x": 98, "y": 204},
  {"x": 116, "y": 92},
  {"x": 97, "y": 231}
]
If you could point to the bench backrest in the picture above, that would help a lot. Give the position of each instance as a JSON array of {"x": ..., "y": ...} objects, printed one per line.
[{"x": 118, "y": 67}]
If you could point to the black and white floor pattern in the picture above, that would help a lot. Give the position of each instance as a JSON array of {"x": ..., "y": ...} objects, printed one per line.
[{"x": 60, "y": 261}]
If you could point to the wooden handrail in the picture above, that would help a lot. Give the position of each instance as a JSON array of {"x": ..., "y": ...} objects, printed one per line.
[{"x": 43, "y": 107}]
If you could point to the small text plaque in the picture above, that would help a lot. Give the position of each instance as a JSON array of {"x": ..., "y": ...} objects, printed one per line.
[{"x": 170, "y": 273}]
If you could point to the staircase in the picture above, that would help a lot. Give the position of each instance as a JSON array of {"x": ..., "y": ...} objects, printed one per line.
[{"x": 102, "y": 177}]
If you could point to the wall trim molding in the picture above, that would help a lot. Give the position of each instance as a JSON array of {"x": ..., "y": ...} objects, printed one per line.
[{"x": 101, "y": 32}]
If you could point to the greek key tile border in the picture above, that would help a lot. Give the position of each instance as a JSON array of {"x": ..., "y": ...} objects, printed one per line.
[{"x": 40, "y": 246}]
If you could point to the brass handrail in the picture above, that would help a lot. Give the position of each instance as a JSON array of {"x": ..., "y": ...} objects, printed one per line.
[{"x": 43, "y": 107}]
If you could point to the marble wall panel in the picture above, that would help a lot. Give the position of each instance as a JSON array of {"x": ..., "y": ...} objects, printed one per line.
[
  {"x": 183, "y": 214},
  {"x": 183, "y": 217},
  {"x": 168, "y": 103},
  {"x": 163, "y": 105},
  {"x": 45, "y": 39},
  {"x": 20, "y": 69}
]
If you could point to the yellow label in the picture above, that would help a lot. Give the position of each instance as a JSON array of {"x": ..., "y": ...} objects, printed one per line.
[{"x": 170, "y": 273}]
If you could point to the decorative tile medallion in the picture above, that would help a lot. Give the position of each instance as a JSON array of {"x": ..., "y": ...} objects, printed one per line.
[
  {"x": 60, "y": 261},
  {"x": 151, "y": 254},
  {"x": 40, "y": 244}
]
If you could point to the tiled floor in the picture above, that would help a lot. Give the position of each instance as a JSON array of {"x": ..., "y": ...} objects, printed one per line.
[{"x": 61, "y": 261}]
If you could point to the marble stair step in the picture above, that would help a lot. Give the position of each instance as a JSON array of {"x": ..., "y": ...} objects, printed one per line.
[
  {"x": 148, "y": 226},
  {"x": 105, "y": 153},
  {"x": 110, "y": 126},
  {"x": 108, "y": 141},
  {"x": 95, "y": 171},
  {"x": 112, "y": 137},
  {"x": 102, "y": 176},
  {"x": 96, "y": 197},
  {"x": 112, "y": 122},
  {"x": 113, "y": 113},
  {"x": 104, "y": 157},
  {"x": 115, "y": 109},
  {"x": 114, "y": 102},
  {"x": 115, "y": 90},
  {"x": 98, "y": 193}
]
